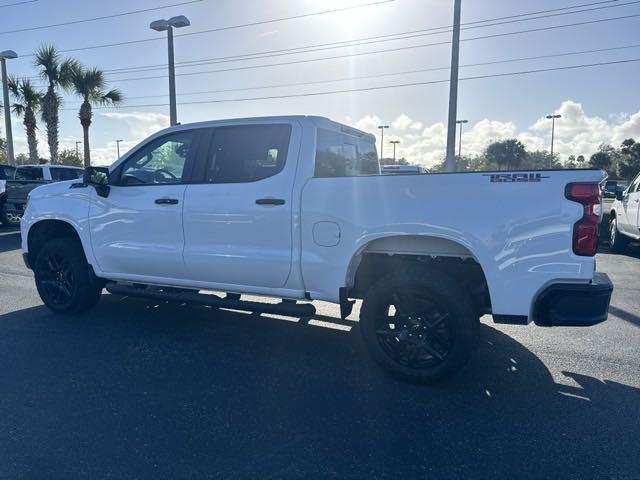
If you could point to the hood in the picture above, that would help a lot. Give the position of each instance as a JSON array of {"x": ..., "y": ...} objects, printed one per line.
[{"x": 57, "y": 188}]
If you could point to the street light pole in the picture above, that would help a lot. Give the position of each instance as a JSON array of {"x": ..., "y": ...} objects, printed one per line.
[
  {"x": 553, "y": 128},
  {"x": 4, "y": 56},
  {"x": 382, "y": 127},
  {"x": 394, "y": 143},
  {"x": 118, "y": 147},
  {"x": 450, "y": 161},
  {"x": 168, "y": 25},
  {"x": 461, "y": 123}
]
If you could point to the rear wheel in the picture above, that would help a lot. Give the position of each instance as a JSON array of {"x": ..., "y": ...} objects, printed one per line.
[
  {"x": 63, "y": 278},
  {"x": 9, "y": 219},
  {"x": 418, "y": 326},
  {"x": 617, "y": 241}
]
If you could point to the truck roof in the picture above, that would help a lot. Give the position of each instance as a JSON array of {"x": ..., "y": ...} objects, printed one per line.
[
  {"x": 317, "y": 121},
  {"x": 47, "y": 165}
]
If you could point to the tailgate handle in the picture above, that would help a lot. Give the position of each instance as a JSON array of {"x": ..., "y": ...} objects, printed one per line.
[
  {"x": 167, "y": 201},
  {"x": 270, "y": 201}
]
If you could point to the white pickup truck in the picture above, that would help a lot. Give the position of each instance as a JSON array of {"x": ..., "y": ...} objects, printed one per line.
[
  {"x": 624, "y": 217},
  {"x": 296, "y": 208}
]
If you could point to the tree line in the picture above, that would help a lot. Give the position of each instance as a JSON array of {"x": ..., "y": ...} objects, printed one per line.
[
  {"x": 621, "y": 162},
  {"x": 60, "y": 74}
]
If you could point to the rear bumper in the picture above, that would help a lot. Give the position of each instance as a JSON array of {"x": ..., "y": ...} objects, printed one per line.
[{"x": 574, "y": 305}]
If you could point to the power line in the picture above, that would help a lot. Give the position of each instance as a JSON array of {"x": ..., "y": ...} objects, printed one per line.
[
  {"x": 145, "y": 40},
  {"x": 406, "y": 72},
  {"x": 18, "y": 3},
  {"x": 384, "y": 87},
  {"x": 229, "y": 27},
  {"x": 352, "y": 43},
  {"x": 373, "y": 52}
]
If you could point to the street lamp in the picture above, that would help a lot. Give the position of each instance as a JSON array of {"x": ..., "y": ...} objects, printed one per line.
[
  {"x": 460, "y": 122},
  {"x": 118, "y": 147},
  {"x": 382, "y": 127},
  {"x": 4, "y": 56},
  {"x": 553, "y": 128},
  {"x": 168, "y": 25},
  {"x": 394, "y": 143}
]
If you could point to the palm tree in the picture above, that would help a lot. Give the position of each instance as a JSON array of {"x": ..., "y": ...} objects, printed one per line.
[
  {"x": 27, "y": 102},
  {"x": 57, "y": 73},
  {"x": 89, "y": 84}
]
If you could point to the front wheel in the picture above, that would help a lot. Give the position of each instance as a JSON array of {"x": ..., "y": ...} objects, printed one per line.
[
  {"x": 418, "y": 325},
  {"x": 617, "y": 241},
  {"x": 63, "y": 278},
  {"x": 10, "y": 219}
]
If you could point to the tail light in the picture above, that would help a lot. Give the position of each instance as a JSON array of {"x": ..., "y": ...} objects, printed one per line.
[{"x": 587, "y": 229}]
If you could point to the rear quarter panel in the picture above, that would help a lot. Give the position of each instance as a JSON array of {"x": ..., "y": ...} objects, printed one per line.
[{"x": 519, "y": 232}]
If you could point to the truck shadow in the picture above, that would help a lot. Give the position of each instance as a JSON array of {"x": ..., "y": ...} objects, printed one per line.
[
  {"x": 174, "y": 389},
  {"x": 9, "y": 239}
]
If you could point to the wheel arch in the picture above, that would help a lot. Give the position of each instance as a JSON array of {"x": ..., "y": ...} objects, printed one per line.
[
  {"x": 438, "y": 252},
  {"x": 45, "y": 229}
]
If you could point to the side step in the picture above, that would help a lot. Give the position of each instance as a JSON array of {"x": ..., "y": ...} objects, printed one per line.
[{"x": 287, "y": 307}]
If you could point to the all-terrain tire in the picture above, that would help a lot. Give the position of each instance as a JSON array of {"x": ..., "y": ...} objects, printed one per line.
[{"x": 9, "y": 219}]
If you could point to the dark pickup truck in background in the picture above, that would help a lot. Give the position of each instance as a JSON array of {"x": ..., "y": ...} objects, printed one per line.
[{"x": 24, "y": 179}]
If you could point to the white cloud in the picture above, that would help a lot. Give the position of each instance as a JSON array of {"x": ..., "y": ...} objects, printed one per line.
[
  {"x": 141, "y": 124},
  {"x": 576, "y": 133}
]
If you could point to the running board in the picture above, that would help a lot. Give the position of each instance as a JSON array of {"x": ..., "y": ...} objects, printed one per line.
[{"x": 287, "y": 307}]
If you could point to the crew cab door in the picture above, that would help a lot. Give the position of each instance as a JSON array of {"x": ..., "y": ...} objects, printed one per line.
[
  {"x": 631, "y": 209},
  {"x": 238, "y": 217},
  {"x": 136, "y": 231}
]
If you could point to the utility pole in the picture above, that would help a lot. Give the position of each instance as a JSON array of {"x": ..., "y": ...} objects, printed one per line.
[
  {"x": 168, "y": 26},
  {"x": 118, "y": 147},
  {"x": 450, "y": 161},
  {"x": 382, "y": 127},
  {"x": 77, "y": 152},
  {"x": 553, "y": 130},
  {"x": 394, "y": 143},
  {"x": 4, "y": 56},
  {"x": 461, "y": 123}
]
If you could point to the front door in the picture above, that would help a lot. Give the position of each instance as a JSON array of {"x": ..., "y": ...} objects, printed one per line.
[
  {"x": 137, "y": 230},
  {"x": 630, "y": 205},
  {"x": 238, "y": 218}
]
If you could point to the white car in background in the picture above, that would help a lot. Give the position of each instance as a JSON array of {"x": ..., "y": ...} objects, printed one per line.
[{"x": 624, "y": 219}]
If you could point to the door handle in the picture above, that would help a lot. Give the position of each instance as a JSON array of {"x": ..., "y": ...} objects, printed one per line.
[
  {"x": 167, "y": 201},
  {"x": 270, "y": 201}
]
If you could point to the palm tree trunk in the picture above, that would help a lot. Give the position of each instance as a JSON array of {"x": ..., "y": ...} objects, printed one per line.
[
  {"x": 50, "y": 107},
  {"x": 85, "y": 120},
  {"x": 32, "y": 140}
]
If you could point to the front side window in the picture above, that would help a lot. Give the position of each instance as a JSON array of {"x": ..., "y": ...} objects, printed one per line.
[
  {"x": 247, "y": 153},
  {"x": 61, "y": 174},
  {"x": 33, "y": 174},
  {"x": 160, "y": 162},
  {"x": 7, "y": 172},
  {"x": 342, "y": 155}
]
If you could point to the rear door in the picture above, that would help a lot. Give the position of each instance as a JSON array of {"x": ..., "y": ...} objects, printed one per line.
[
  {"x": 238, "y": 218},
  {"x": 137, "y": 231}
]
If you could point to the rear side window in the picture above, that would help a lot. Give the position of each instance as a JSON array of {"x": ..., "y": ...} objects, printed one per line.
[
  {"x": 342, "y": 155},
  {"x": 61, "y": 174},
  {"x": 29, "y": 173},
  {"x": 247, "y": 153}
]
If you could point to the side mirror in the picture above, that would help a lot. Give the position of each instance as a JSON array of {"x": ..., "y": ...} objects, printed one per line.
[{"x": 99, "y": 178}]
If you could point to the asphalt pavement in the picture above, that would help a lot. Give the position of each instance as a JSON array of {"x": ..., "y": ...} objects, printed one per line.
[{"x": 137, "y": 389}]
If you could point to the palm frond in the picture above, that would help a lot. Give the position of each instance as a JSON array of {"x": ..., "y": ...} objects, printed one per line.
[
  {"x": 67, "y": 70},
  {"x": 18, "y": 109},
  {"x": 48, "y": 59},
  {"x": 112, "y": 97}
]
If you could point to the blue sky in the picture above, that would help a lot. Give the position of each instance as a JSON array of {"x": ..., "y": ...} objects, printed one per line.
[{"x": 599, "y": 104}]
